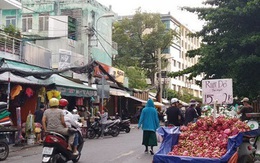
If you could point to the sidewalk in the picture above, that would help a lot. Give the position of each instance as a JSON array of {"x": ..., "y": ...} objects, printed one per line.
[{"x": 15, "y": 148}]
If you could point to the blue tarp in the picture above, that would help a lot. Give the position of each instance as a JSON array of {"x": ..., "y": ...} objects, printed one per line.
[{"x": 170, "y": 138}]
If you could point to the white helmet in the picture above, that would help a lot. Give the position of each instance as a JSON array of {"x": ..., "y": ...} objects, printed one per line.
[
  {"x": 74, "y": 111},
  {"x": 174, "y": 100}
]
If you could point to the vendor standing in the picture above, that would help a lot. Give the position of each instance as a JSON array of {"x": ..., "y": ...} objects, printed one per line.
[
  {"x": 247, "y": 108},
  {"x": 191, "y": 113}
]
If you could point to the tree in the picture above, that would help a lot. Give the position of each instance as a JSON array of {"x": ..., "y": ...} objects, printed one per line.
[
  {"x": 138, "y": 39},
  {"x": 12, "y": 31},
  {"x": 230, "y": 45},
  {"x": 136, "y": 77}
]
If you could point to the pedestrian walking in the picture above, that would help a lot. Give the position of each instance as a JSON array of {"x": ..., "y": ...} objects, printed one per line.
[
  {"x": 191, "y": 113},
  {"x": 173, "y": 113},
  {"x": 103, "y": 121},
  {"x": 149, "y": 122}
]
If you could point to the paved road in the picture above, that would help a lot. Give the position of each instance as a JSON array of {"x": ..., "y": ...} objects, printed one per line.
[{"x": 126, "y": 148}]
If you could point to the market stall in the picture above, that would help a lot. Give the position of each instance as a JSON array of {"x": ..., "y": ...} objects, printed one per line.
[{"x": 172, "y": 136}]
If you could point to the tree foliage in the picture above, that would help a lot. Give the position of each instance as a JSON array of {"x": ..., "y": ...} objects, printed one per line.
[
  {"x": 136, "y": 76},
  {"x": 12, "y": 31},
  {"x": 230, "y": 44},
  {"x": 138, "y": 39}
]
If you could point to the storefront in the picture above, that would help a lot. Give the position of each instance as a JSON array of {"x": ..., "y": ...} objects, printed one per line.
[{"x": 77, "y": 94}]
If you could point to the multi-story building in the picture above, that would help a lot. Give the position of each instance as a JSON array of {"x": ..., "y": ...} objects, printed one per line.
[
  {"x": 10, "y": 16},
  {"x": 176, "y": 56},
  {"x": 75, "y": 28},
  {"x": 73, "y": 31}
]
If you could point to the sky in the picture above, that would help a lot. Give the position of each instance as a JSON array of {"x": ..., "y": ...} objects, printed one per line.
[{"x": 128, "y": 7}]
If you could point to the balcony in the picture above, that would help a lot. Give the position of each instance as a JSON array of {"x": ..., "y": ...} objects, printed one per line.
[
  {"x": 10, "y": 4},
  {"x": 9, "y": 44}
]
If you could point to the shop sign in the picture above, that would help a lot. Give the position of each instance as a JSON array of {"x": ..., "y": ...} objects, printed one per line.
[
  {"x": 116, "y": 73},
  {"x": 76, "y": 92},
  {"x": 217, "y": 90}
]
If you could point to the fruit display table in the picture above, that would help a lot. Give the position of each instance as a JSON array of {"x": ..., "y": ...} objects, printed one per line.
[{"x": 171, "y": 136}]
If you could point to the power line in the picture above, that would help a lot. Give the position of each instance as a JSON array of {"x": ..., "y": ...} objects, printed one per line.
[
  {"x": 106, "y": 51},
  {"x": 103, "y": 39}
]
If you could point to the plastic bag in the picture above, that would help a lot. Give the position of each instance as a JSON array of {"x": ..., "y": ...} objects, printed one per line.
[{"x": 159, "y": 137}]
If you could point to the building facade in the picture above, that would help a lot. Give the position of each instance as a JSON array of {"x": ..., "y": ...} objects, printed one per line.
[
  {"x": 176, "y": 56},
  {"x": 78, "y": 28}
]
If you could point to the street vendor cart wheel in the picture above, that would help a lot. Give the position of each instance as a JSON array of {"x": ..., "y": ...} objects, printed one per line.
[{"x": 4, "y": 150}]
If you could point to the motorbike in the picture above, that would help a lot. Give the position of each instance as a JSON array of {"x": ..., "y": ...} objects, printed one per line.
[
  {"x": 55, "y": 148},
  {"x": 249, "y": 150},
  {"x": 124, "y": 125},
  {"x": 111, "y": 128},
  {"x": 4, "y": 147}
]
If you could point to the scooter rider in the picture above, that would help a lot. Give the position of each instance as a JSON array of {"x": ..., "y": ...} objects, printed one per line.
[
  {"x": 53, "y": 121},
  {"x": 69, "y": 120}
]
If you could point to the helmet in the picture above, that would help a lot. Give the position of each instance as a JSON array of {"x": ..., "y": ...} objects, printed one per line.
[
  {"x": 63, "y": 102},
  {"x": 74, "y": 111},
  {"x": 53, "y": 102},
  {"x": 174, "y": 100}
]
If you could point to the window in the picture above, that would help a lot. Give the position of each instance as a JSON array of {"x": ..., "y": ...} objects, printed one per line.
[
  {"x": 179, "y": 65},
  {"x": 72, "y": 28},
  {"x": 27, "y": 23},
  {"x": 174, "y": 63},
  {"x": 174, "y": 87},
  {"x": 166, "y": 51},
  {"x": 44, "y": 23},
  {"x": 10, "y": 20}
]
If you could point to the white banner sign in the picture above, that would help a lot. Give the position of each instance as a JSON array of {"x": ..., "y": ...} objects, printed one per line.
[
  {"x": 64, "y": 59},
  {"x": 220, "y": 90}
]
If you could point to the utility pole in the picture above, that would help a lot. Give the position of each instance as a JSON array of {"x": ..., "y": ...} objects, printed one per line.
[
  {"x": 160, "y": 74},
  {"x": 90, "y": 35}
]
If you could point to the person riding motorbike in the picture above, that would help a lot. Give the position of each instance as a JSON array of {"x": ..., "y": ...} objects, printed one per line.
[
  {"x": 70, "y": 122},
  {"x": 53, "y": 121}
]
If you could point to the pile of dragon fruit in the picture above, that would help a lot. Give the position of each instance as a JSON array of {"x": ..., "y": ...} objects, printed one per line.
[{"x": 208, "y": 137}]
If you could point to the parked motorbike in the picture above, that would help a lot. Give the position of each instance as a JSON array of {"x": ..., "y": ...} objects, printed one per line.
[
  {"x": 55, "y": 149},
  {"x": 111, "y": 128},
  {"x": 4, "y": 148},
  {"x": 124, "y": 125},
  {"x": 249, "y": 150}
]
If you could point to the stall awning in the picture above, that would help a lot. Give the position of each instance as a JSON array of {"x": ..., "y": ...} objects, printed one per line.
[
  {"x": 158, "y": 103},
  {"x": 144, "y": 102},
  {"x": 113, "y": 91},
  {"x": 71, "y": 88},
  {"x": 137, "y": 99},
  {"x": 18, "y": 79},
  {"x": 152, "y": 96},
  {"x": 118, "y": 92}
]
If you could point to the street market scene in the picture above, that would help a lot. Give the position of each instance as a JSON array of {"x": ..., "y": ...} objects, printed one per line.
[{"x": 97, "y": 81}]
